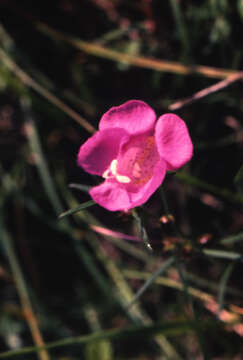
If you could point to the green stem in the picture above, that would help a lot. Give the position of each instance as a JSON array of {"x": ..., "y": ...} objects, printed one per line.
[
  {"x": 142, "y": 231},
  {"x": 152, "y": 279},
  {"x": 169, "y": 328}
]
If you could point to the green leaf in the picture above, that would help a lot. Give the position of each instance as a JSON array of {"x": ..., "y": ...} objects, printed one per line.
[{"x": 76, "y": 209}]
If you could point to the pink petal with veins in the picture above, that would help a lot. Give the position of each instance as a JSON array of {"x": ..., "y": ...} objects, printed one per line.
[
  {"x": 173, "y": 141},
  {"x": 134, "y": 116},
  {"x": 111, "y": 195},
  {"x": 96, "y": 154}
]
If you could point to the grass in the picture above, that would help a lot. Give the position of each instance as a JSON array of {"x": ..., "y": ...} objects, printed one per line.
[{"x": 78, "y": 281}]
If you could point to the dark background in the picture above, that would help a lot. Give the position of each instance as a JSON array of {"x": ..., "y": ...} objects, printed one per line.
[{"x": 71, "y": 274}]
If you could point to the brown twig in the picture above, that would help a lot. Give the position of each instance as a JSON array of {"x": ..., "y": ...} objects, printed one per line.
[
  {"x": 139, "y": 61},
  {"x": 207, "y": 91},
  {"x": 27, "y": 80}
]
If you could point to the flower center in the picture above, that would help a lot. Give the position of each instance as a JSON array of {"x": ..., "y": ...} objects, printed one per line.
[
  {"x": 111, "y": 172},
  {"x": 135, "y": 163}
]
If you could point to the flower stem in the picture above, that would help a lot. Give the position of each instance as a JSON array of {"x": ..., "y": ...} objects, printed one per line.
[{"x": 142, "y": 231}]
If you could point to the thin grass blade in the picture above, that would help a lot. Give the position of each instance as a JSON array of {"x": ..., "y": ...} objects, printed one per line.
[
  {"x": 152, "y": 279},
  {"x": 222, "y": 254},
  {"x": 232, "y": 239},
  {"x": 173, "y": 328},
  {"x": 81, "y": 187},
  {"x": 76, "y": 209},
  {"x": 223, "y": 285}
]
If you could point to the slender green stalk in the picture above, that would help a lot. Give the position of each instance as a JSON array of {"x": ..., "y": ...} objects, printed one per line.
[
  {"x": 170, "y": 328},
  {"x": 76, "y": 209},
  {"x": 222, "y": 254},
  {"x": 223, "y": 285},
  {"x": 171, "y": 283},
  {"x": 142, "y": 231},
  {"x": 151, "y": 280},
  {"x": 36, "y": 149},
  {"x": 232, "y": 239}
]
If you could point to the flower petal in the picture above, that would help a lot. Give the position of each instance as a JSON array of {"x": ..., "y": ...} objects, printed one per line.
[
  {"x": 173, "y": 141},
  {"x": 134, "y": 116},
  {"x": 144, "y": 193},
  {"x": 114, "y": 196},
  {"x": 96, "y": 154},
  {"x": 111, "y": 195}
]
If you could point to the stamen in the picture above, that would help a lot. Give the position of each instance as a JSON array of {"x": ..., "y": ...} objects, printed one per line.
[
  {"x": 113, "y": 166},
  {"x": 123, "y": 179},
  {"x": 111, "y": 172},
  {"x": 106, "y": 174}
]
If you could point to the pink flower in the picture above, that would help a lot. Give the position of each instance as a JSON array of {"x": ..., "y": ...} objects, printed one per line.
[{"x": 132, "y": 152}]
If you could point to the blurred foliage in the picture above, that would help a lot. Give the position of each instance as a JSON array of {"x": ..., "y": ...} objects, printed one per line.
[{"x": 76, "y": 287}]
